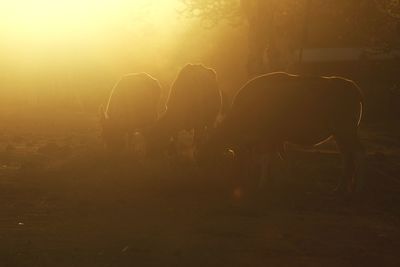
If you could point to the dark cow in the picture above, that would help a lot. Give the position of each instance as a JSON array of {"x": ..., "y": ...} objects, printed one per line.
[
  {"x": 194, "y": 103},
  {"x": 276, "y": 108},
  {"x": 132, "y": 106}
]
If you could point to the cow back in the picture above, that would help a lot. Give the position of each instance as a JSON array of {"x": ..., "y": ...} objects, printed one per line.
[
  {"x": 134, "y": 101},
  {"x": 294, "y": 108},
  {"x": 195, "y": 98}
]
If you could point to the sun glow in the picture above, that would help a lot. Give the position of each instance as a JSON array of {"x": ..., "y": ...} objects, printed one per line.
[
  {"x": 43, "y": 36},
  {"x": 52, "y": 46},
  {"x": 74, "y": 20}
]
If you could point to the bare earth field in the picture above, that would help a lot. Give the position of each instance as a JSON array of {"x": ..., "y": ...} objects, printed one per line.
[{"x": 63, "y": 202}]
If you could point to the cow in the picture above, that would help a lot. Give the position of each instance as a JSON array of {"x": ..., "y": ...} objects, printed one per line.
[
  {"x": 277, "y": 108},
  {"x": 132, "y": 106},
  {"x": 194, "y": 103}
]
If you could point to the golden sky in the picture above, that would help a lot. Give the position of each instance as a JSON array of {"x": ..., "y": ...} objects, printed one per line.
[
  {"x": 51, "y": 44},
  {"x": 66, "y": 19},
  {"x": 32, "y": 27}
]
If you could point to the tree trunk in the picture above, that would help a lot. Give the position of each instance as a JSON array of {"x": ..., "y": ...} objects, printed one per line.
[
  {"x": 260, "y": 15},
  {"x": 306, "y": 27}
]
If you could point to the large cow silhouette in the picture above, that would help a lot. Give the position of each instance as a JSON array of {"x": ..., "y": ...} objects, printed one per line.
[
  {"x": 132, "y": 106},
  {"x": 276, "y": 108}
]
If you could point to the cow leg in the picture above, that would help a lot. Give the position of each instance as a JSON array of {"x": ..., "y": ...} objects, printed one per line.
[
  {"x": 287, "y": 161},
  {"x": 269, "y": 154},
  {"x": 266, "y": 177},
  {"x": 118, "y": 145},
  {"x": 130, "y": 141},
  {"x": 353, "y": 153},
  {"x": 242, "y": 165},
  {"x": 173, "y": 148},
  {"x": 199, "y": 136}
]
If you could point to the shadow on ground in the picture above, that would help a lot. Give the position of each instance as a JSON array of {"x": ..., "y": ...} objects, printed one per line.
[{"x": 63, "y": 202}]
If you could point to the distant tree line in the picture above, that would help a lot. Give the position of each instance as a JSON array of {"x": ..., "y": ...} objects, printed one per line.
[{"x": 276, "y": 28}]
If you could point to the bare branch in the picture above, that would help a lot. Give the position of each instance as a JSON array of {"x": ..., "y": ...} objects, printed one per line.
[
  {"x": 212, "y": 12},
  {"x": 390, "y": 7}
]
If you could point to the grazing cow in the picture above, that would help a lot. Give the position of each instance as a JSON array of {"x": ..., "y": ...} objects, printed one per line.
[
  {"x": 194, "y": 103},
  {"x": 132, "y": 106},
  {"x": 276, "y": 108}
]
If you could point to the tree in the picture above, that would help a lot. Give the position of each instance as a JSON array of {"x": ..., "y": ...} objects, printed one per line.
[
  {"x": 276, "y": 28},
  {"x": 390, "y": 7},
  {"x": 211, "y": 12},
  {"x": 273, "y": 30}
]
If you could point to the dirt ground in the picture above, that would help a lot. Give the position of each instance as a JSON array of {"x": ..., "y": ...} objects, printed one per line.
[{"x": 63, "y": 202}]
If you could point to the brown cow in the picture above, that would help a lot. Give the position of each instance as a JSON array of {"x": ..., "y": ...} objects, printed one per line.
[
  {"x": 194, "y": 103},
  {"x": 276, "y": 108},
  {"x": 132, "y": 106}
]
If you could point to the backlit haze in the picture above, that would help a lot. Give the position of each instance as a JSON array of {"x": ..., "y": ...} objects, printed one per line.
[{"x": 58, "y": 47}]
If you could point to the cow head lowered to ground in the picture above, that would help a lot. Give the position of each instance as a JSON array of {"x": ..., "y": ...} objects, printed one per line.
[
  {"x": 278, "y": 108},
  {"x": 111, "y": 134},
  {"x": 132, "y": 106},
  {"x": 194, "y": 103}
]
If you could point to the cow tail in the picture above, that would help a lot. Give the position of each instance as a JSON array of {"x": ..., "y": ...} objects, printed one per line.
[
  {"x": 361, "y": 112},
  {"x": 361, "y": 100}
]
